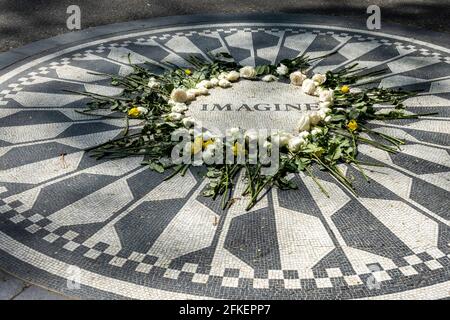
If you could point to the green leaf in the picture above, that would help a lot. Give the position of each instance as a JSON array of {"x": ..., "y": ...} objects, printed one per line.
[{"x": 156, "y": 167}]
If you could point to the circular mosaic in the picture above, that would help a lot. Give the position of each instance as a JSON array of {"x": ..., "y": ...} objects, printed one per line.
[{"x": 119, "y": 230}]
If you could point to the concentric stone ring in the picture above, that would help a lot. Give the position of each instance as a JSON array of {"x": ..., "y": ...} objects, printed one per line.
[{"x": 121, "y": 231}]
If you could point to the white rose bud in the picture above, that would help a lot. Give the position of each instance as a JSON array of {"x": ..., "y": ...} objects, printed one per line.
[
  {"x": 282, "y": 70},
  {"x": 325, "y": 105},
  {"x": 314, "y": 118},
  {"x": 179, "y": 108},
  {"x": 208, "y": 155},
  {"x": 303, "y": 134},
  {"x": 297, "y": 78},
  {"x": 316, "y": 131},
  {"x": 214, "y": 82},
  {"x": 188, "y": 122},
  {"x": 174, "y": 116},
  {"x": 224, "y": 83},
  {"x": 222, "y": 75},
  {"x": 233, "y": 76},
  {"x": 326, "y": 96},
  {"x": 308, "y": 86},
  {"x": 295, "y": 144},
  {"x": 283, "y": 138},
  {"x": 142, "y": 110},
  {"x": 327, "y": 119},
  {"x": 190, "y": 95},
  {"x": 303, "y": 123},
  {"x": 202, "y": 91},
  {"x": 178, "y": 95},
  {"x": 247, "y": 72},
  {"x": 204, "y": 84},
  {"x": 153, "y": 83},
  {"x": 319, "y": 78},
  {"x": 269, "y": 78}
]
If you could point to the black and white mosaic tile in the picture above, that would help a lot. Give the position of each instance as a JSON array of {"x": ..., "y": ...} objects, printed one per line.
[{"x": 133, "y": 235}]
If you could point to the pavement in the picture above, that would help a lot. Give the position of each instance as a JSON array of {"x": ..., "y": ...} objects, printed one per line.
[
  {"x": 25, "y": 21},
  {"x": 12, "y": 288}
]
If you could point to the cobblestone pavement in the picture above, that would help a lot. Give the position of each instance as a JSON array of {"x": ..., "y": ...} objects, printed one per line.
[{"x": 126, "y": 233}]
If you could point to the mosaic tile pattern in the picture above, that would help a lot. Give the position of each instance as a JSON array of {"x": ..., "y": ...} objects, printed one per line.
[{"x": 124, "y": 223}]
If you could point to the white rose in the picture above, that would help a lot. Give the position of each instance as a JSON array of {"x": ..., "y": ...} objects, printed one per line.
[
  {"x": 314, "y": 118},
  {"x": 142, "y": 110},
  {"x": 247, "y": 72},
  {"x": 283, "y": 137},
  {"x": 326, "y": 96},
  {"x": 282, "y": 70},
  {"x": 297, "y": 78},
  {"x": 153, "y": 83},
  {"x": 327, "y": 119},
  {"x": 316, "y": 131},
  {"x": 303, "y": 123},
  {"x": 295, "y": 144},
  {"x": 269, "y": 78},
  {"x": 322, "y": 113},
  {"x": 224, "y": 83},
  {"x": 179, "y": 108},
  {"x": 174, "y": 116},
  {"x": 325, "y": 105},
  {"x": 319, "y": 78},
  {"x": 303, "y": 134},
  {"x": 204, "y": 84},
  {"x": 308, "y": 86},
  {"x": 178, "y": 95},
  {"x": 214, "y": 82},
  {"x": 208, "y": 155},
  {"x": 190, "y": 95},
  {"x": 202, "y": 91},
  {"x": 188, "y": 122},
  {"x": 222, "y": 75},
  {"x": 233, "y": 76}
]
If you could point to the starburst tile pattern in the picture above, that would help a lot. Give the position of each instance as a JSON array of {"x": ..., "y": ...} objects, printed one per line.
[{"x": 121, "y": 221}]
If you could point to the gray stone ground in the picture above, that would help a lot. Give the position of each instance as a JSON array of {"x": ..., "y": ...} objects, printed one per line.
[
  {"x": 12, "y": 288},
  {"x": 24, "y": 21}
]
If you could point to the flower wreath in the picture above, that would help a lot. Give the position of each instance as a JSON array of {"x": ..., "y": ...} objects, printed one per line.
[{"x": 326, "y": 137}]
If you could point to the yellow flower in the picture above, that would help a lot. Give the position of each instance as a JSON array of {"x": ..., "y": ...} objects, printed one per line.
[
  {"x": 238, "y": 148},
  {"x": 197, "y": 145},
  {"x": 352, "y": 125},
  {"x": 345, "y": 89},
  {"x": 187, "y": 71},
  {"x": 207, "y": 143},
  {"x": 134, "y": 112}
]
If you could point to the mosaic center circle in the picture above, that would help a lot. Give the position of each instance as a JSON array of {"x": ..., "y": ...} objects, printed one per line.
[{"x": 252, "y": 105}]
